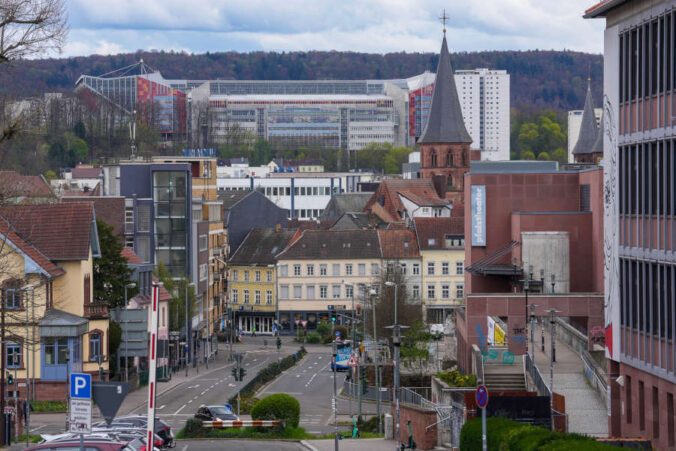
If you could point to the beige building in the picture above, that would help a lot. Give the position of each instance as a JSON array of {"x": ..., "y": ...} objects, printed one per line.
[
  {"x": 325, "y": 268},
  {"x": 442, "y": 248}
]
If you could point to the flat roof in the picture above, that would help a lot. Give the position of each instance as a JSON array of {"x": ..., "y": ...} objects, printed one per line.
[
  {"x": 296, "y": 97},
  {"x": 501, "y": 167}
]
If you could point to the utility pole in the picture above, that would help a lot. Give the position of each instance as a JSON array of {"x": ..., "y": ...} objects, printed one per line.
[
  {"x": 552, "y": 321},
  {"x": 335, "y": 388},
  {"x": 2, "y": 369},
  {"x": 126, "y": 333},
  {"x": 28, "y": 385},
  {"x": 396, "y": 341}
]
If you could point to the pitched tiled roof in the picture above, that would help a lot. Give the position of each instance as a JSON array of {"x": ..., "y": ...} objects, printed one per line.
[
  {"x": 432, "y": 231},
  {"x": 142, "y": 299},
  {"x": 445, "y": 123},
  {"x": 131, "y": 257},
  {"x": 85, "y": 172},
  {"x": 598, "y": 142},
  {"x": 398, "y": 243},
  {"x": 261, "y": 246},
  {"x": 588, "y": 129},
  {"x": 61, "y": 231},
  {"x": 334, "y": 244},
  {"x": 31, "y": 251},
  {"x": 107, "y": 208},
  {"x": 419, "y": 191},
  {"x": 231, "y": 196},
  {"x": 13, "y": 185}
]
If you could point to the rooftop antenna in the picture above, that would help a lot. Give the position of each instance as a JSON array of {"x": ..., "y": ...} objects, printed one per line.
[
  {"x": 444, "y": 18},
  {"x": 132, "y": 135}
]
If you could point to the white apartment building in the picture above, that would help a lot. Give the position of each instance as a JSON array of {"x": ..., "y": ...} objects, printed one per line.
[{"x": 574, "y": 122}]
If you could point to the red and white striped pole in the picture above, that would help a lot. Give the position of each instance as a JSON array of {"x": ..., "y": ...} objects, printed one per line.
[{"x": 152, "y": 367}]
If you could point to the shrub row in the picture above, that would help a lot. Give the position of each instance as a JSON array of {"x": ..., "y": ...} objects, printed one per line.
[
  {"x": 456, "y": 379},
  {"x": 507, "y": 435},
  {"x": 267, "y": 374}
]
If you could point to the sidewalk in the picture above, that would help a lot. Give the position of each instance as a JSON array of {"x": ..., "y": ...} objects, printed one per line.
[
  {"x": 586, "y": 410},
  {"x": 371, "y": 444}
]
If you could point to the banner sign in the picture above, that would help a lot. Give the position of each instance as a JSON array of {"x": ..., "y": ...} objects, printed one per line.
[{"x": 478, "y": 215}]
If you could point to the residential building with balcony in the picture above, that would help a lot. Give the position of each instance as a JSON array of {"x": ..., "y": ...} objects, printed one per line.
[
  {"x": 53, "y": 325},
  {"x": 253, "y": 279},
  {"x": 325, "y": 268},
  {"x": 442, "y": 266}
]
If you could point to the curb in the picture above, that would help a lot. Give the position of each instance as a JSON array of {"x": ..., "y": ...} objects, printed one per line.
[{"x": 308, "y": 446}]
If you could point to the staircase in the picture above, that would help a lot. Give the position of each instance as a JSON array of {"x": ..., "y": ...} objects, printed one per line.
[{"x": 504, "y": 377}]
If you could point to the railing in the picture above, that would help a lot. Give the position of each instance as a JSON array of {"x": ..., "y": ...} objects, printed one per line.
[
  {"x": 535, "y": 375},
  {"x": 595, "y": 377},
  {"x": 477, "y": 364},
  {"x": 416, "y": 396},
  {"x": 566, "y": 333},
  {"x": 95, "y": 310},
  {"x": 369, "y": 392}
]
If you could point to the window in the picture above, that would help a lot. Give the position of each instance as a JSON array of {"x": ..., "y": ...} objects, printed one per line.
[
  {"x": 284, "y": 270},
  {"x": 322, "y": 270},
  {"x": 235, "y": 296},
  {"x": 460, "y": 268},
  {"x": 310, "y": 270},
  {"x": 335, "y": 289},
  {"x": 454, "y": 241},
  {"x": 415, "y": 291},
  {"x": 362, "y": 269},
  {"x": 13, "y": 298},
  {"x": 310, "y": 292},
  {"x": 13, "y": 355},
  {"x": 445, "y": 291},
  {"x": 235, "y": 275},
  {"x": 348, "y": 269},
  {"x": 403, "y": 269},
  {"x": 284, "y": 292},
  {"x": 375, "y": 269},
  {"x": 203, "y": 271},
  {"x": 268, "y": 297},
  {"x": 430, "y": 268},
  {"x": 246, "y": 296},
  {"x": 431, "y": 291},
  {"x": 296, "y": 270},
  {"x": 246, "y": 276},
  {"x": 268, "y": 276},
  {"x": 204, "y": 243},
  {"x": 323, "y": 291},
  {"x": 257, "y": 275},
  {"x": 297, "y": 291},
  {"x": 431, "y": 241},
  {"x": 95, "y": 339},
  {"x": 459, "y": 290},
  {"x": 257, "y": 297},
  {"x": 416, "y": 269},
  {"x": 335, "y": 269},
  {"x": 444, "y": 269},
  {"x": 349, "y": 291}
]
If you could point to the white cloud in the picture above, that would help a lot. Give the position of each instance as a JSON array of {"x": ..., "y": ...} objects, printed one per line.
[{"x": 364, "y": 26}]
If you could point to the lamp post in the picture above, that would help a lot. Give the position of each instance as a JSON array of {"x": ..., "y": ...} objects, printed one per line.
[
  {"x": 28, "y": 385},
  {"x": 396, "y": 341},
  {"x": 378, "y": 376},
  {"x": 335, "y": 387},
  {"x": 187, "y": 330},
  {"x": 552, "y": 321},
  {"x": 126, "y": 336},
  {"x": 354, "y": 344}
]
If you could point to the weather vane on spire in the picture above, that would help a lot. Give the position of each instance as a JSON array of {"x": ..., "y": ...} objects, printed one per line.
[{"x": 444, "y": 18}]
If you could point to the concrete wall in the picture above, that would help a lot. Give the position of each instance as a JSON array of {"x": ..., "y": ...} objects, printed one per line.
[{"x": 548, "y": 252}]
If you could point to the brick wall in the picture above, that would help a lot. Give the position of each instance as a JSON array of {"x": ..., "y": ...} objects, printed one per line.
[{"x": 420, "y": 419}]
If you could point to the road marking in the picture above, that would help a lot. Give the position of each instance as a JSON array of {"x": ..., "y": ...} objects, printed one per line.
[
  {"x": 194, "y": 386},
  {"x": 203, "y": 392},
  {"x": 189, "y": 401},
  {"x": 161, "y": 407},
  {"x": 185, "y": 447},
  {"x": 182, "y": 407}
]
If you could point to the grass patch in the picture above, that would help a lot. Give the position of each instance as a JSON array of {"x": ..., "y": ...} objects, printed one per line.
[
  {"x": 289, "y": 433},
  {"x": 33, "y": 439},
  {"x": 48, "y": 406}
]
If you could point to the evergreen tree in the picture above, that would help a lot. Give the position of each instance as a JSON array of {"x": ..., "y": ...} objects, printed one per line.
[{"x": 111, "y": 272}]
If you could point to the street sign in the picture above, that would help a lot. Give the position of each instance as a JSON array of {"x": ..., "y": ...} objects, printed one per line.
[
  {"x": 81, "y": 416},
  {"x": 81, "y": 386},
  {"x": 109, "y": 396},
  {"x": 9, "y": 410},
  {"x": 297, "y": 322},
  {"x": 481, "y": 396},
  {"x": 337, "y": 334},
  {"x": 352, "y": 361},
  {"x": 303, "y": 322}
]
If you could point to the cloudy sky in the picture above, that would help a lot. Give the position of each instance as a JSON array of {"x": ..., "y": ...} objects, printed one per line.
[{"x": 377, "y": 26}]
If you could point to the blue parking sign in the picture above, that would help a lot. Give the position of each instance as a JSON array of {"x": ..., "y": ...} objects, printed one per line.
[{"x": 81, "y": 386}]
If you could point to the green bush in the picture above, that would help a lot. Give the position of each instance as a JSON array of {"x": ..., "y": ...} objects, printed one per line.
[
  {"x": 193, "y": 428},
  {"x": 314, "y": 338},
  {"x": 279, "y": 406},
  {"x": 470, "y": 435},
  {"x": 324, "y": 329},
  {"x": 246, "y": 404},
  {"x": 455, "y": 379}
]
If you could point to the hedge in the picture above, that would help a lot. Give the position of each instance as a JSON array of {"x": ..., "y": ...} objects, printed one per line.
[
  {"x": 507, "y": 435},
  {"x": 268, "y": 374},
  {"x": 280, "y": 406}
]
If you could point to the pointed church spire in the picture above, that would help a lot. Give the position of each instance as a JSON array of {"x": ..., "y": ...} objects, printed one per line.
[
  {"x": 445, "y": 123},
  {"x": 588, "y": 129}
]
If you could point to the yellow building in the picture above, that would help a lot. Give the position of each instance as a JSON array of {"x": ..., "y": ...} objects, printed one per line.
[
  {"x": 253, "y": 278},
  {"x": 325, "y": 268},
  {"x": 53, "y": 327},
  {"x": 442, "y": 250}
]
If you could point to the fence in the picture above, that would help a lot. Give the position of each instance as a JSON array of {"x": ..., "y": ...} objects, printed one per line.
[
  {"x": 416, "y": 396},
  {"x": 368, "y": 392},
  {"x": 535, "y": 375}
]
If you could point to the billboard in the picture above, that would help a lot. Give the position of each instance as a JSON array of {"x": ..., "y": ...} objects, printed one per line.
[{"x": 478, "y": 193}]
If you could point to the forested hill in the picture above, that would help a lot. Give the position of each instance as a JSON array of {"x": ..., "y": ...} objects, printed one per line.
[{"x": 540, "y": 79}]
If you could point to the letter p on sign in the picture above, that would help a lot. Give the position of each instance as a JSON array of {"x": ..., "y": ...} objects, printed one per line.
[{"x": 81, "y": 386}]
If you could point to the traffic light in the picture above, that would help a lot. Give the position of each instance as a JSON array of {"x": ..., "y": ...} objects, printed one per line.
[
  {"x": 242, "y": 373},
  {"x": 10, "y": 379},
  {"x": 234, "y": 373},
  {"x": 333, "y": 316},
  {"x": 279, "y": 343},
  {"x": 358, "y": 310}
]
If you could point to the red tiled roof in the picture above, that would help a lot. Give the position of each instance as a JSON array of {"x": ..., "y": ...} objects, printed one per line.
[
  {"x": 419, "y": 191},
  {"x": 61, "y": 231},
  {"x": 131, "y": 257},
  {"x": 398, "y": 243},
  {"x": 436, "y": 229},
  {"x": 31, "y": 251},
  {"x": 164, "y": 294},
  {"x": 13, "y": 184},
  {"x": 108, "y": 209},
  {"x": 83, "y": 172}
]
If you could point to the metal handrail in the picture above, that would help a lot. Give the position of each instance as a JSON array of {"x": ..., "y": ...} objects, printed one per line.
[{"x": 540, "y": 384}]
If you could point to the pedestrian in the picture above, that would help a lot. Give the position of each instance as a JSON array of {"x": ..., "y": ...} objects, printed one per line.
[{"x": 253, "y": 334}]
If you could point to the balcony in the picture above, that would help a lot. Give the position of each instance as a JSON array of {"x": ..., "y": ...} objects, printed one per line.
[{"x": 96, "y": 310}]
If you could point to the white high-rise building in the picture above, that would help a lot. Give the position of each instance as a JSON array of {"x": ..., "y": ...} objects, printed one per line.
[
  {"x": 574, "y": 121},
  {"x": 484, "y": 99}
]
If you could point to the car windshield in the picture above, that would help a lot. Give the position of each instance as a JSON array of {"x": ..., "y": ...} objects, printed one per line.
[{"x": 218, "y": 410}]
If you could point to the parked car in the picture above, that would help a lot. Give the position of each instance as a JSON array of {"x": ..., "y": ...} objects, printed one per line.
[
  {"x": 162, "y": 428},
  {"x": 216, "y": 413},
  {"x": 91, "y": 444}
]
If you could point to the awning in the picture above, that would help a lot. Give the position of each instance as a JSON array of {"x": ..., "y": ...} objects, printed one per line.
[{"x": 57, "y": 323}]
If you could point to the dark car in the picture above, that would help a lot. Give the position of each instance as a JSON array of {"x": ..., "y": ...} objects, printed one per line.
[
  {"x": 162, "y": 428},
  {"x": 215, "y": 413}
]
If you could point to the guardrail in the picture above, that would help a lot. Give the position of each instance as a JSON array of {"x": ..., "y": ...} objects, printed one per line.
[
  {"x": 535, "y": 375},
  {"x": 240, "y": 423},
  {"x": 408, "y": 396},
  {"x": 369, "y": 392}
]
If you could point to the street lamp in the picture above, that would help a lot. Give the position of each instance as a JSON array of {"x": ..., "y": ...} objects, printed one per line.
[
  {"x": 396, "y": 341},
  {"x": 552, "y": 359},
  {"x": 28, "y": 385},
  {"x": 126, "y": 337},
  {"x": 187, "y": 330}
]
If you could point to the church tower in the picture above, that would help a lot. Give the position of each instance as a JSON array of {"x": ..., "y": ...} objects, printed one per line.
[
  {"x": 444, "y": 143},
  {"x": 589, "y": 146}
]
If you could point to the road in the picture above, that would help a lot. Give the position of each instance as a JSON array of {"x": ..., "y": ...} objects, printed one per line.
[{"x": 239, "y": 445}]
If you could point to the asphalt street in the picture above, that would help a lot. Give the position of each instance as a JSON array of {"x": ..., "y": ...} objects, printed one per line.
[{"x": 239, "y": 445}]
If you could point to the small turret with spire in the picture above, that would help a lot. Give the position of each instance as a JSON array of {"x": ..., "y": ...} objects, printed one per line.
[{"x": 587, "y": 147}]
